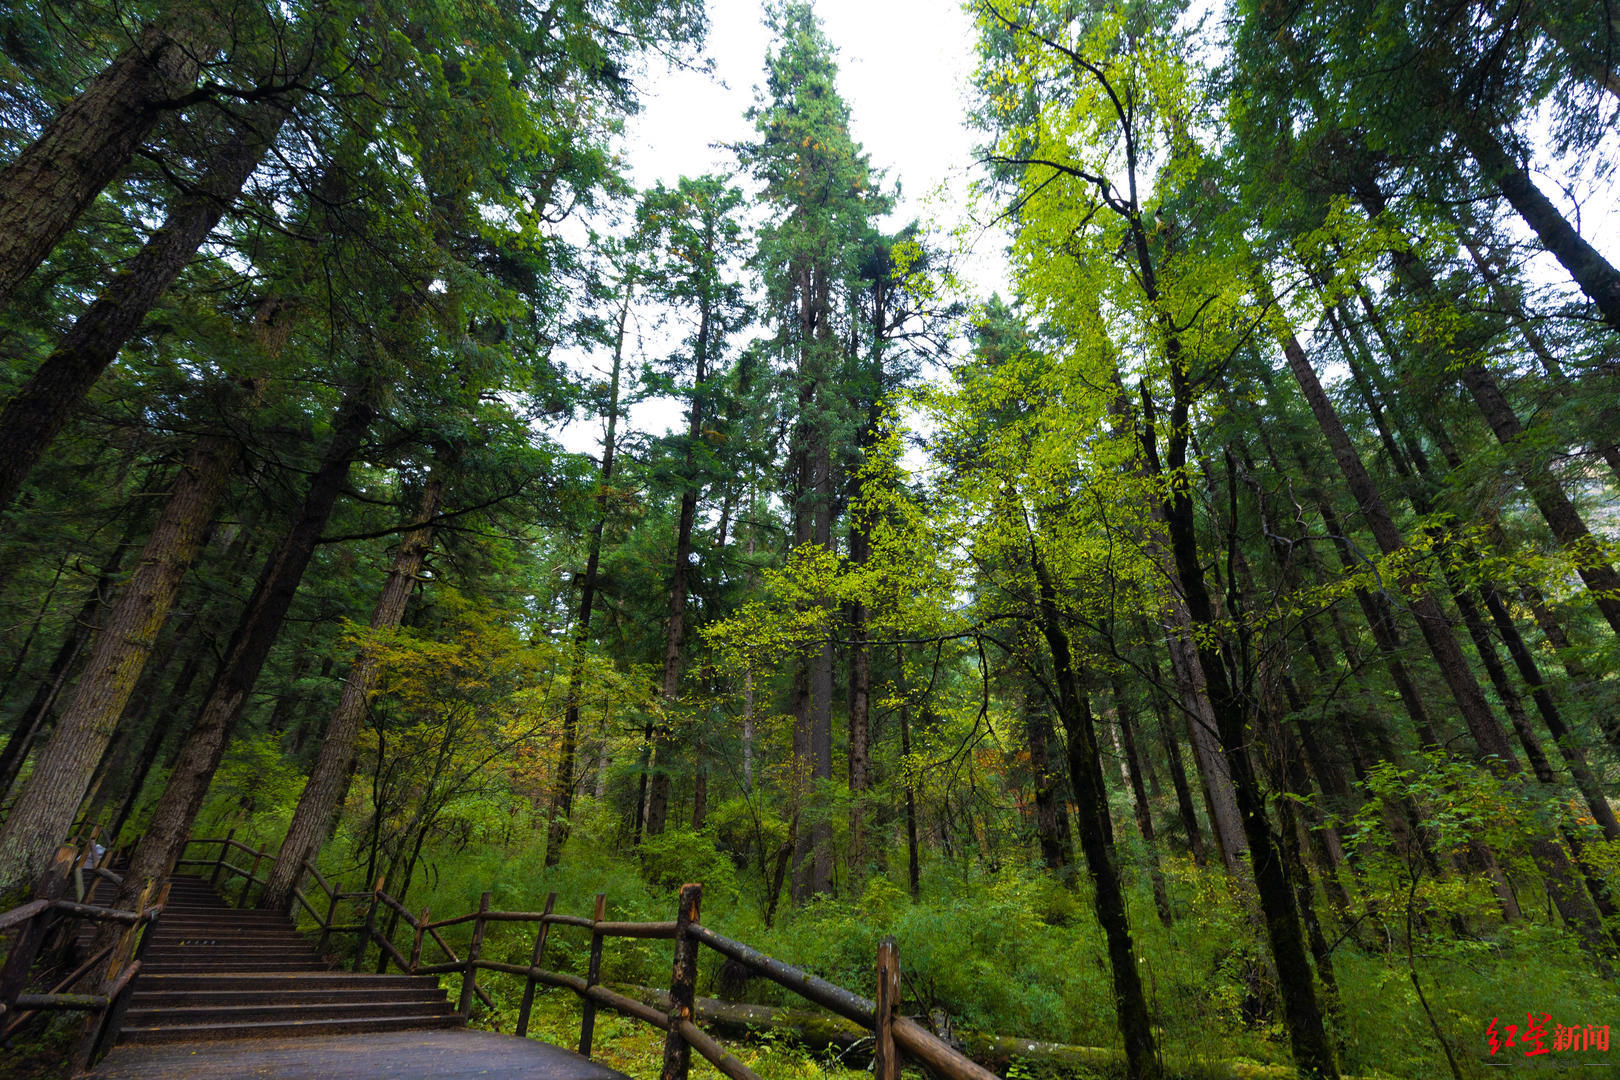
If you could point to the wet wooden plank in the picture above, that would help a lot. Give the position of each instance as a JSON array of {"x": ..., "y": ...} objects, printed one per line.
[{"x": 400, "y": 1055}]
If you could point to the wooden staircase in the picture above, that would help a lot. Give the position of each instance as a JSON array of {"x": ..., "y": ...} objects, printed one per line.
[{"x": 216, "y": 972}]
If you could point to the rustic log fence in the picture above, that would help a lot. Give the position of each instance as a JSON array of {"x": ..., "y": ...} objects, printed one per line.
[
  {"x": 46, "y": 927},
  {"x": 895, "y": 1036}
]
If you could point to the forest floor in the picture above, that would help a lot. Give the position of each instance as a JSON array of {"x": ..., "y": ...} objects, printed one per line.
[
  {"x": 636, "y": 1049},
  {"x": 399, "y": 1055}
]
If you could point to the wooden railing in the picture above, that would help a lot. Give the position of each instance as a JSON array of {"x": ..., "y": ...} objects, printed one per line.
[
  {"x": 47, "y": 925},
  {"x": 894, "y": 1035}
]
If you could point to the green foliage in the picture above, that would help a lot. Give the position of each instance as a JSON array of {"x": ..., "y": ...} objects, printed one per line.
[{"x": 677, "y": 856}]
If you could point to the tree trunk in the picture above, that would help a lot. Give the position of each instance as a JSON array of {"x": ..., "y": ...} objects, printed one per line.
[
  {"x": 1590, "y": 787},
  {"x": 562, "y": 789},
  {"x": 675, "y": 624},
  {"x": 1178, "y": 775},
  {"x": 813, "y": 490},
  {"x": 1483, "y": 726},
  {"x": 1544, "y": 490},
  {"x": 60, "y": 174},
  {"x": 1139, "y": 801},
  {"x": 329, "y": 777},
  {"x": 1051, "y": 815},
  {"x": 860, "y": 706},
  {"x": 1432, "y": 622},
  {"x": 1219, "y": 802},
  {"x": 44, "y": 810},
  {"x": 1415, "y": 469},
  {"x": 1548, "y": 495},
  {"x": 1590, "y": 270},
  {"x": 1302, "y": 1014},
  {"x": 1507, "y": 299},
  {"x": 255, "y": 634},
  {"x": 44, "y": 403},
  {"x": 913, "y": 863},
  {"x": 31, "y": 721},
  {"x": 1097, "y": 839}
]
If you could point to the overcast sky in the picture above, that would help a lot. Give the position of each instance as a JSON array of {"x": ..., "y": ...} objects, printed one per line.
[{"x": 903, "y": 69}]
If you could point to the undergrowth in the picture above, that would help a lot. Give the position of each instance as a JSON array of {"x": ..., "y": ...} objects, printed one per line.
[{"x": 1012, "y": 951}]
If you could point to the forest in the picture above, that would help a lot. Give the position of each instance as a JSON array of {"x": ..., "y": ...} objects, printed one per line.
[{"x": 1203, "y": 648}]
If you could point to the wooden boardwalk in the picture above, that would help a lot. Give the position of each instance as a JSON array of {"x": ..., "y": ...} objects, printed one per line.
[
  {"x": 211, "y": 991},
  {"x": 217, "y": 972},
  {"x": 396, "y": 1055},
  {"x": 227, "y": 993}
]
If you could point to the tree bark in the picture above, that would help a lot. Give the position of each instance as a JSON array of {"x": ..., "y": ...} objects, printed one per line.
[
  {"x": 1051, "y": 813},
  {"x": 813, "y": 514},
  {"x": 60, "y": 174},
  {"x": 255, "y": 634},
  {"x": 1178, "y": 773},
  {"x": 860, "y": 704},
  {"x": 1586, "y": 781},
  {"x": 40, "y": 408},
  {"x": 32, "y": 719},
  {"x": 44, "y": 810},
  {"x": 1590, "y": 270},
  {"x": 1508, "y": 300},
  {"x": 1484, "y": 728},
  {"x": 1139, "y": 801},
  {"x": 1219, "y": 802},
  {"x": 1548, "y": 495},
  {"x": 1302, "y": 1013},
  {"x": 562, "y": 789},
  {"x": 675, "y": 624},
  {"x": 1560, "y": 514},
  {"x": 913, "y": 862},
  {"x": 329, "y": 777},
  {"x": 1097, "y": 838}
]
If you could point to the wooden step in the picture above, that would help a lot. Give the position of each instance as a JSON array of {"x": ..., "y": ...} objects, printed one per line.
[
  {"x": 283, "y": 1029},
  {"x": 213, "y": 972},
  {"x": 193, "y": 946},
  {"x": 225, "y": 965},
  {"x": 228, "y": 936},
  {"x": 141, "y": 1016},
  {"x": 317, "y": 980},
  {"x": 162, "y": 999}
]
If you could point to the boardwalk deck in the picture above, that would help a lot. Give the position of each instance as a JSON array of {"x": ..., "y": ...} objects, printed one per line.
[{"x": 398, "y": 1055}]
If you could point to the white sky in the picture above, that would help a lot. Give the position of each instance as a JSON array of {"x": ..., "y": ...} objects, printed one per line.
[{"x": 903, "y": 68}]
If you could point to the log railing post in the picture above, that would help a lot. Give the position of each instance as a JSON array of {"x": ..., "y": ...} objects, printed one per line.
[
  {"x": 416, "y": 945},
  {"x": 326, "y": 925},
  {"x": 219, "y": 863},
  {"x": 469, "y": 978},
  {"x": 593, "y": 974},
  {"x": 368, "y": 929},
  {"x": 31, "y": 935},
  {"x": 534, "y": 962},
  {"x": 885, "y": 1057},
  {"x": 102, "y": 1029},
  {"x": 247, "y": 882},
  {"x": 682, "y": 985}
]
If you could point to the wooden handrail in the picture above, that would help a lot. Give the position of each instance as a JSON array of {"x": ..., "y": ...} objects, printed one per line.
[
  {"x": 35, "y": 920},
  {"x": 325, "y": 885},
  {"x": 23, "y": 913},
  {"x": 894, "y": 1032},
  {"x": 829, "y": 996},
  {"x": 32, "y": 908},
  {"x": 938, "y": 1055}
]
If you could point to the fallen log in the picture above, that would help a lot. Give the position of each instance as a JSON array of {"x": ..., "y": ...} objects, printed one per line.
[
  {"x": 738, "y": 1020},
  {"x": 819, "y": 1031}
]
